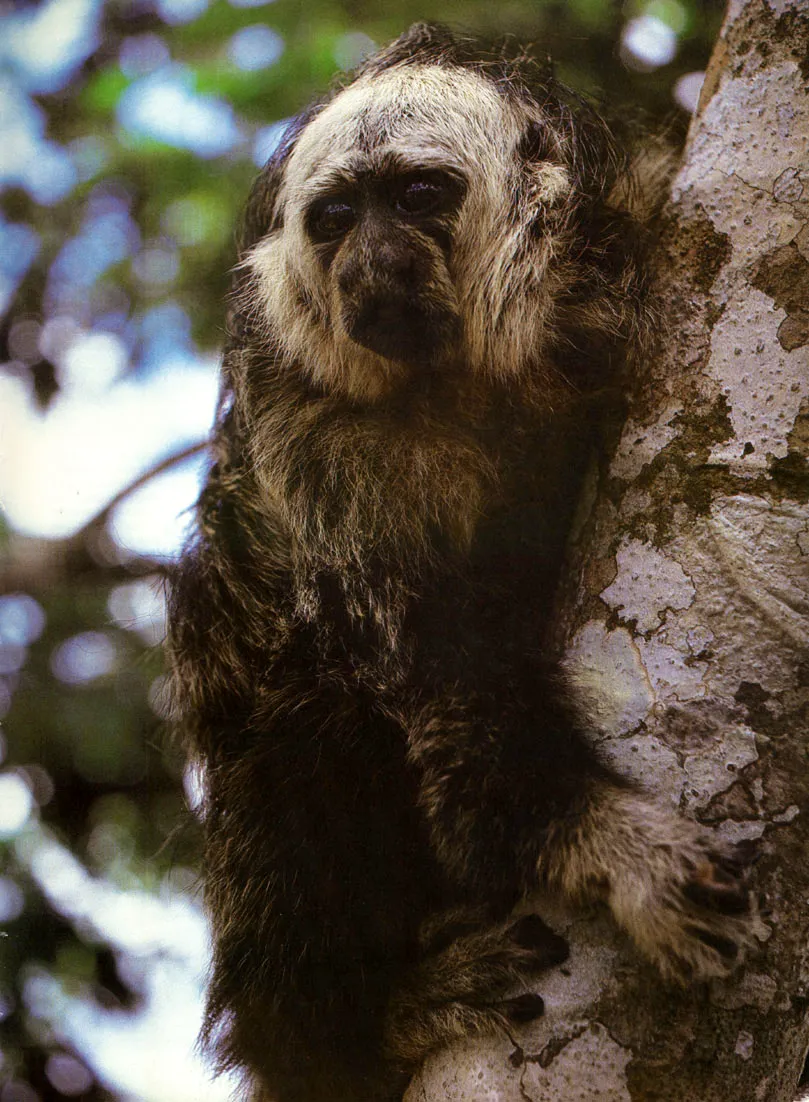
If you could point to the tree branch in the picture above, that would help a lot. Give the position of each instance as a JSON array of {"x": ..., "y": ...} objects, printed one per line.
[{"x": 35, "y": 564}]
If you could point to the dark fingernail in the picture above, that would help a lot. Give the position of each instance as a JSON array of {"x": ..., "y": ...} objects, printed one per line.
[
  {"x": 723, "y": 945},
  {"x": 524, "y": 1008},
  {"x": 532, "y": 933},
  {"x": 717, "y": 897}
]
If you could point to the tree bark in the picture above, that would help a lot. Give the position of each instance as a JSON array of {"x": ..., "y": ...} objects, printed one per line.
[{"x": 687, "y": 615}]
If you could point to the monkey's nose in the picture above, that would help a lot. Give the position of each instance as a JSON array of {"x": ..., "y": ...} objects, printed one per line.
[
  {"x": 385, "y": 313},
  {"x": 393, "y": 327}
]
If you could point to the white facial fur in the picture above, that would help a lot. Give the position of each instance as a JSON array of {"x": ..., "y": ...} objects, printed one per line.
[{"x": 433, "y": 117}]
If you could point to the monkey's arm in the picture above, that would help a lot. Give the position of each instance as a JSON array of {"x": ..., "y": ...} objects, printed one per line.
[{"x": 515, "y": 798}]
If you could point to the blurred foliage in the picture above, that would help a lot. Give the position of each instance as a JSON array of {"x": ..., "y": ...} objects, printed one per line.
[{"x": 120, "y": 221}]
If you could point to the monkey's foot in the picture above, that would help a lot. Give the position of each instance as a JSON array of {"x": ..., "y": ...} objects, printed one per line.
[{"x": 462, "y": 988}]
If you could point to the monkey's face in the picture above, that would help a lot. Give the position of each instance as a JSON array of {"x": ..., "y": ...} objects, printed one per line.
[
  {"x": 401, "y": 241},
  {"x": 383, "y": 236}
]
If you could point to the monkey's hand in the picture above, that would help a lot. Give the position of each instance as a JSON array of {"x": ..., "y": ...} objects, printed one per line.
[{"x": 678, "y": 891}]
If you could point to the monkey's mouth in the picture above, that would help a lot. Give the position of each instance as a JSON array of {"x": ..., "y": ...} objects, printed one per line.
[{"x": 399, "y": 329}]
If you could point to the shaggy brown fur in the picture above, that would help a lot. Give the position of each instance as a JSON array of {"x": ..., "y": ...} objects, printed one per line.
[{"x": 440, "y": 269}]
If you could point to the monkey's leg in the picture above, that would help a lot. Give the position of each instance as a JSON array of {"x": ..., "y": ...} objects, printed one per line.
[
  {"x": 317, "y": 881},
  {"x": 466, "y": 987},
  {"x": 514, "y": 796}
]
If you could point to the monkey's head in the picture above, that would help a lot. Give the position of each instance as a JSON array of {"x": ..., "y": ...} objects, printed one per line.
[{"x": 445, "y": 211}]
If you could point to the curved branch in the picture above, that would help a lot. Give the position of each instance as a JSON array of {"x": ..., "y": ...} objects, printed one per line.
[{"x": 35, "y": 564}]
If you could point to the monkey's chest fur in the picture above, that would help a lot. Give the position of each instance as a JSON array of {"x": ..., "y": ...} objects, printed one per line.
[{"x": 346, "y": 709}]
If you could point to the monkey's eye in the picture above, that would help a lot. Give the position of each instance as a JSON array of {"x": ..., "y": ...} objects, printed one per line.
[
  {"x": 331, "y": 220},
  {"x": 421, "y": 195}
]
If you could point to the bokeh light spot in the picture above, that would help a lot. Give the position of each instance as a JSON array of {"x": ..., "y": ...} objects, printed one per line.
[
  {"x": 157, "y": 265},
  {"x": 83, "y": 658},
  {"x": 687, "y": 89},
  {"x": 16, "y": 804},
  {"x": 22, "y": 619},
  {"x": 180, "y": 11},
  {"x": 155, "y": 520},
  {"x": 92, "y": 362},
  {"x": 12, "y": 899},
  {"x": 142, "y": 53},
  {"x": 647, "y": 43},
  {"x": 164, "y": 106},
  {"x": 350, "y": 49},
  {"x": 12, "y": 658},
  {"x": 19, "y": 244},
  {"x": 140, "y": 606},
  {"x": 68, "y": 1075},
  {"x": 255, "y": 47}
]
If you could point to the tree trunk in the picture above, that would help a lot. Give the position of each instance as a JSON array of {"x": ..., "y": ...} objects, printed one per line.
[{"x": 687, "y": 615}]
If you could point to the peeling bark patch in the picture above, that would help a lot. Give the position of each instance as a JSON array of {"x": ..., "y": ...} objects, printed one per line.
[
  {"x": 792, "y": 30},
  {"x": 554, "y": 1047},
  {"x": 641, "y": 443},
  {"x": 604, "y": 1080},
  {"x": 737, "y": 802},
  {"x": 791, "y": 473},
  {"x": 744, "y": 1044},
  {"x": 789, "y": 815},
  {"x": 697, "y": 724},
  {"x": 647, "y": 584},
  {"x": 708, "y": 253},
  {"x": 758, "y": 549},
  {"x": 469, "y": 1072},
  {"x": 679, "y": 474},
  {"x": 607, "y": 678},
  {"x": 793, "y": 331},
  {"x": 754, "y": 989},
  {"x": 763, "y": 384},
  {"x": 751, "y": 694},
  {"x": 714, "y": 769},
  {"x": 788, "y": 188},
  {"x": 673, "y": 675},
  {"x": 799, "y": 436},
  {"x": 646, "y": 760},
  {"x": 783, "y": 274},
  {"x": 754, "y": 699}
]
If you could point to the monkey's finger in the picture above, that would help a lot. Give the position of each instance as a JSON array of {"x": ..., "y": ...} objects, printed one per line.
[
  {"x": 532, "y": 933},
  {"x": 726, "y": 947},
  {"x": 740, "y": 858},
  {"x": 731, "y": 899},
  {"x": 524, "y": 1008}
]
